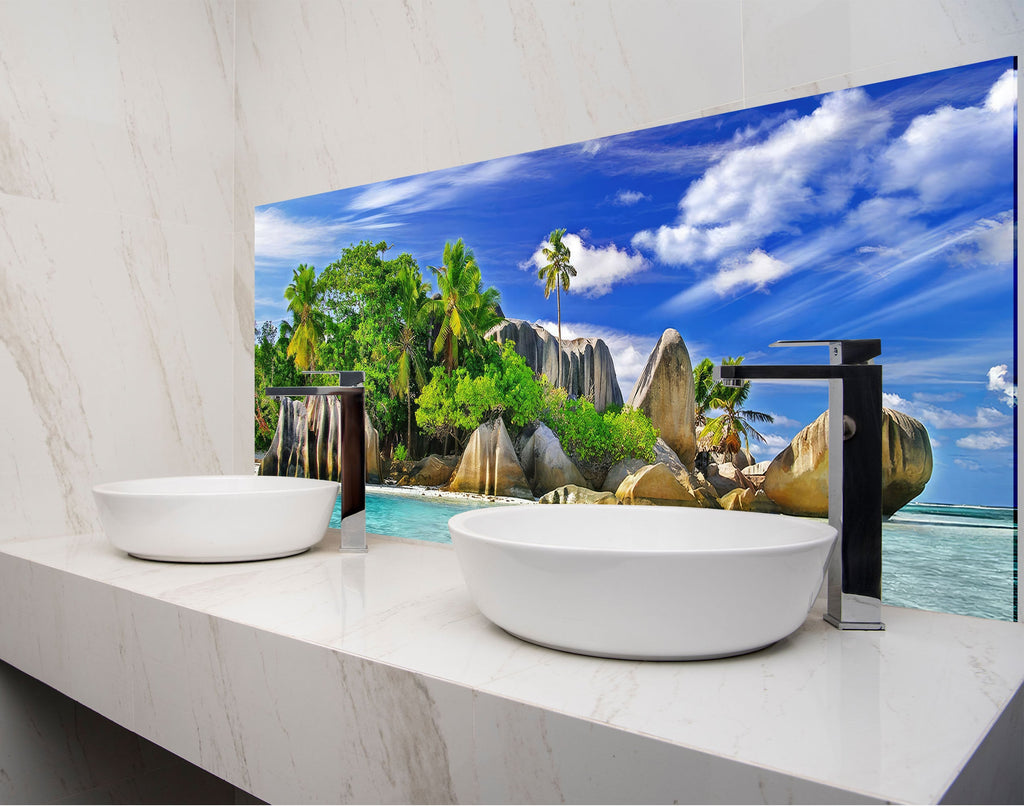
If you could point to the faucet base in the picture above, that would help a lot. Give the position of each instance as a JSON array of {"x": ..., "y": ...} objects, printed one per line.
[
  {"x": 853, "y": 625},
  {"x": 353, "y": 532}
]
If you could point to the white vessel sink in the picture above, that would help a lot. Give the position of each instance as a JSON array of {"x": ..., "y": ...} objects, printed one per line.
[
  {"x": 642, "y": 582},
  {"x": 209, "y": 519}
]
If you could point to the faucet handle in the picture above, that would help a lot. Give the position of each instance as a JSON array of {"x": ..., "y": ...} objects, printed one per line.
[{"x": 841, "y": 351}]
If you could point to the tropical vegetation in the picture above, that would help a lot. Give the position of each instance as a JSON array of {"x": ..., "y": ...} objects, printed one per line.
[
  {"x": 731, "y": 429},
  {"x": 556, "y": 275},
  {"x": 432, "y": 375}
]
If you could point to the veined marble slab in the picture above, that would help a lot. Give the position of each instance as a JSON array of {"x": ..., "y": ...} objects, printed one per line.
[{"x": 370, "y": 678}]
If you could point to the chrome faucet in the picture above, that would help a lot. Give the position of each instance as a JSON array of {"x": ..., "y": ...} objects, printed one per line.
[
  {"x": 854, "y": 470},
  {"x": 352, "y": 432}
]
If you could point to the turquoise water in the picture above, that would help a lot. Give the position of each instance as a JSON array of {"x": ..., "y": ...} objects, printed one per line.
[
  {"x": 422, "y": 517},
  {"x": 934, "y": 556},
  {"x": 951, "y": 558}
]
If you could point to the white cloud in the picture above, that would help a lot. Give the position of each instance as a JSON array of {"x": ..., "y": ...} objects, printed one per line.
[
  {"x": 886, "y": 251},
  {"x": 986, "y": 441},
  {"x": 808, "y": 169},
  {"x": 937, "y": 417},
  {"x": 782, "y": 421},
  {"x": 597, "y": 268},
  {"x": 769, "y": 187},
  {"x": 775, "y": 442},
  {"x": 1003, "y": 94},
  {"x": 967, "y": 464},
  {"x": 998, "y": 382},
  {"x": 437, "y": 189},
  {"x": 937, "y": 397},
  {"x": 951, "y": 153},
  {"x": 989, "y": 242},
  {"x": 627, "y": 198},
  {"x": 893, "y": 401},
  {"x": 755, "y": 272},
  {"x": 299, "y": 240}
]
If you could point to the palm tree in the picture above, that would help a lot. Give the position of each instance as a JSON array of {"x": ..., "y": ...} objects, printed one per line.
[
  {"x": 705, "y": 388},
  {"x": 412, "y": 291},
  {"x": 723, "y": 433},
  {"x": 304, "y": 296},
  {"x": 465, "y": 311},
  {"x": 556, "y": 277},
  {"x": 482, "y": 313}
]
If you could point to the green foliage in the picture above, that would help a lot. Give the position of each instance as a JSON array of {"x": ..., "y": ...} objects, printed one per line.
[
  {"x": 400, "y": 454},
  {"x": 476, "y": 400},
  {"x": 406, "y": 352},
  {"x": 304, "y": 296},
  {"x": 705, "y": 388},
  {"x": 436, "y": 412},
  {"x": 558, "y": 271},
  {"x": 373, "y": 307},
  {"x": 455, "y": 403},
  {"x": 499, "y": 385},
  {"x": 600, "y": 439},
  {"x": 466, "y": 310},
  {"x": 521, "y": 396},
  {"x": 630, "y": 433}
]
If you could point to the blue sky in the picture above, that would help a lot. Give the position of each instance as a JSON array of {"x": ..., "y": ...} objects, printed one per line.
[{"x": 884, "y": 211}]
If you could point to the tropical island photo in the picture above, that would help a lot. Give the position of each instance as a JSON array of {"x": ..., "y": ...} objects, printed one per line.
[{"x": 543, "y": 326}]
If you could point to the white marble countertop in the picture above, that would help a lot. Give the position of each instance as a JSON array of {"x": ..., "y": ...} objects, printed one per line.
[{"x": 821, "y": 716}]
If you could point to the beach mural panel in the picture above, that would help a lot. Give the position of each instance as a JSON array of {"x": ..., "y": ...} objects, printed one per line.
[{"x": 542, "y": 326}]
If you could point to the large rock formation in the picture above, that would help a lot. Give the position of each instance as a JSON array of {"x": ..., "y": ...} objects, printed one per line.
[
  {"x": 373, "y": 461},
  {"x": 572, "y": 494},
  {"x": 618, "y": 472},
  {"x": 655, "y": 484},
  {"x": 308, "y": 439},
  {"x": 544, "y": 462},
  {"x": 430, "y": 471},
  {"x": 587, "y": 368},
  {"x": 489, "y": 465},
  {"x": 289, "y": 449},
  {"x": 797, "y": 479},
  {"x": 906, "y": 459},
  {"x": 664, "y": 392},
  {"x": 726, "y": 477},
  {"x": 747, "y": 500}
]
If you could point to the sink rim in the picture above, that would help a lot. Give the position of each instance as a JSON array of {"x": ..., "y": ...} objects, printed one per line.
[
  {"x": 259, "y": 485},
  {"x": 815, "y": 531}
]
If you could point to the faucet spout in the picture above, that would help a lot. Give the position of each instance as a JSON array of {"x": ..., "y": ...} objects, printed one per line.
[{"x": 855, "y": 470}]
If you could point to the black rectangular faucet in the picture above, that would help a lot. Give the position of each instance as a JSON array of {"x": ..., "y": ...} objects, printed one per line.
[
  {"x": 352, "y": 449},
  {"x": 855, "y": 480}
]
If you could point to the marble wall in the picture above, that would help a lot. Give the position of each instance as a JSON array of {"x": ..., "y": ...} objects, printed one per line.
[{"x": 117, "y": 319}]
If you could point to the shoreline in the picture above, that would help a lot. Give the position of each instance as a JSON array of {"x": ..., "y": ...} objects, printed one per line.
[
  {"x": 415, "y": 491},
  {"x": 411, "y": 491}
]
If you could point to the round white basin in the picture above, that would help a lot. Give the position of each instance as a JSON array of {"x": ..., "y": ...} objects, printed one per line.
[
  {"x": 209, "y": 519},
  {"x": 642, "y": 582}
]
